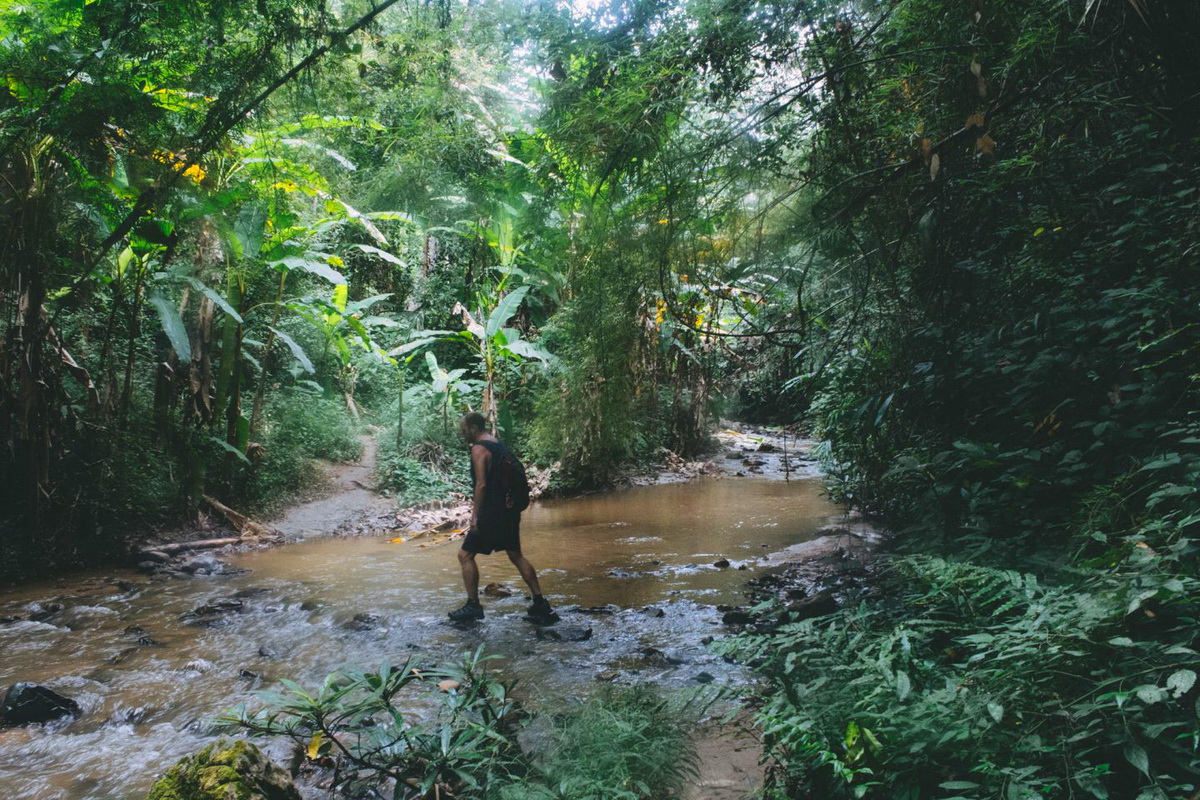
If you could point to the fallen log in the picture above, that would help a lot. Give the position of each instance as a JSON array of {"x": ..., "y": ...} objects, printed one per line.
[
  {"x": 175, "y": 548},
  {"x": 245, "y": 526}
]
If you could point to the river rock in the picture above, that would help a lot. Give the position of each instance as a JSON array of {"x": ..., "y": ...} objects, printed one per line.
[
  {"x": 498, "y": 590},
  {"x": 207, "y": 564},
  {"x": 225, "y": 769},
  {"x": 363, "y": 621},
  {"x": 766, "y": 447},
  {"x": 597, "y": 610},
  {"x": 737, "y": 617},
  {"x": 270, "y": 653},
  {"x": 653, "y": 657},
  {"x": 818, "y": 605},
  {"x": 40, "y": 612},
  {"x": 569, "y": 633},
  {"x": 704, "y": 677},
  {"x": 721, "y": 563},
  {"x": 214, "y": 614},
  {"x": 27, "y": 703},
  {"x": 654, "y": 612}
]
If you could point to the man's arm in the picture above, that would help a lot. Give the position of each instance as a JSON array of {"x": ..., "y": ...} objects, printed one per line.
[{"x": 481, "y": 458}]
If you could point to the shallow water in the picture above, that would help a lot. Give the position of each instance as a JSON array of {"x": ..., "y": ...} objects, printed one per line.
[{"x": 144, "y": 706}]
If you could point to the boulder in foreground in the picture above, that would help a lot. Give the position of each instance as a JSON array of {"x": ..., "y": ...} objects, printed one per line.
[
  {"x": 28, "y": 703},
  {"x": 223, "y": 771}
]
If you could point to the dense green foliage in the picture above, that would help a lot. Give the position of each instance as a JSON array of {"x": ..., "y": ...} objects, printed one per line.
[
  {"x": 958, "y": 238},
  {"x": 623, "y": 745},
  {"x": 1006, "y": 200}
]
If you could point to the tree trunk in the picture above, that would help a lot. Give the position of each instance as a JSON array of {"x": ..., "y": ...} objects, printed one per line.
[{"x": 261, "y": 390}]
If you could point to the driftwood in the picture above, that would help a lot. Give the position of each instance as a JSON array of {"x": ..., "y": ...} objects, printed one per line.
[
  {"x": 248, "y": 528},
  {"x": 175, "y": 548}
]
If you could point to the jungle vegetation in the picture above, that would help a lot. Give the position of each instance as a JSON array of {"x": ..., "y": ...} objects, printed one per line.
[{"x": 958, "y": 239}]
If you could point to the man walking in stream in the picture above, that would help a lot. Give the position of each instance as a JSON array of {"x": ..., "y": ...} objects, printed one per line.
[{"x": 501, "y": 494}]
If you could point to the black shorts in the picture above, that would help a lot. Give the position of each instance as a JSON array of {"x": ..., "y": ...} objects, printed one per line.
[{"x": 487, "y": 538}]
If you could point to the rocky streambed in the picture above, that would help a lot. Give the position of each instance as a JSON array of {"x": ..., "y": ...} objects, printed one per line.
[{"x": 643, "y": 577}]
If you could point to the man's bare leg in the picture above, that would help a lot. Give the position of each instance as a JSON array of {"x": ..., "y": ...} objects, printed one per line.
[
  {"x": 528, "y": 573},
  {"x": 540, "y": 611},
  {"x": 470, "y": 574}
]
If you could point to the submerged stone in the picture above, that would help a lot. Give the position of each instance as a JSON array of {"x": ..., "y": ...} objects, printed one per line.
[
  {"x": 363, "y": 621},
  {"x": 29, "y": 703},
  {"x": 818, "y": 605},
  {"x": 565, "y": 634},
  {"x": 225, "y": 770}
]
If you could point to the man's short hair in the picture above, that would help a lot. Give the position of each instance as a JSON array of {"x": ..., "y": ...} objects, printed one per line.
[{"x": 473, "y": 419}]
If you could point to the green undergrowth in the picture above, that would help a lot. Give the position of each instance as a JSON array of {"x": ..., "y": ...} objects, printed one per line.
[
  {"x": 623, "y": 744},
  {"x": 415, "y": 731},
  {"x": 969, "y": 681},
  {"x": 426, "y": 465},
  {"x": 300, "y": 429}
]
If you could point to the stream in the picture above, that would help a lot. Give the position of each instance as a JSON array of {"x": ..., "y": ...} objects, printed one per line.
[{"x": 646, "y": 556}]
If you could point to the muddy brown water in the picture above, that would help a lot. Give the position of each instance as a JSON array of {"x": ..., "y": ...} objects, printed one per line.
[{"x": 145, "y": 706}]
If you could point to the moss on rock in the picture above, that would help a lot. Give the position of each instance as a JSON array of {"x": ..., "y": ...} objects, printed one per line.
[{"x": 225, "y": 770}]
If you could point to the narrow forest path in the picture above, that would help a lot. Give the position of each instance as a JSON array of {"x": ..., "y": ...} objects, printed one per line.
[
  {"x": 351, "y": 497},
  {"x": 728, "y": 760}
]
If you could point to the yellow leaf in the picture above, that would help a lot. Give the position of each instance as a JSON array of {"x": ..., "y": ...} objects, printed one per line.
[
  {"x": 935, "y": 164},
  {"x": 448, "y": 685},
  {"x": 335, "y": 261},
  {"x": 976, "y": 68},
  {"x": 1039, "y": 231},
  {"x": 663, "y": 221},
  {"x": 195, "y": 172},
  {"x": 974, "y": 121},
  {"x": 314, "y": 747},
  {"x": 399, "y": 540}
]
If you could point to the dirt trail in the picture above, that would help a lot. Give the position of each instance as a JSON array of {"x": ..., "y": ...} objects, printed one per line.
[
  {"x": 728, "y": 762},
  {"x": 351, "y": 498}
]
